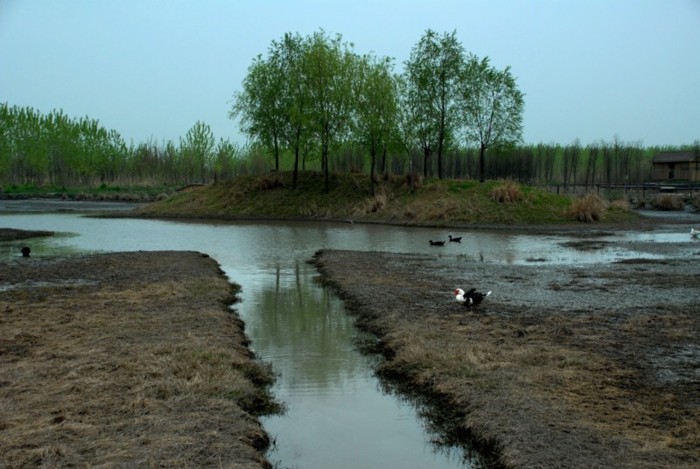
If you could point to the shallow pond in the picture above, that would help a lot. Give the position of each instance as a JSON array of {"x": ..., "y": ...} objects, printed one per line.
[{"x": 338, "y": 413}]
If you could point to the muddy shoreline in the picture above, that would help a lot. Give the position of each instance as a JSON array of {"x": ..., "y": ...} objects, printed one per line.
[
  {"x": 594, "y": 366},
  {"x": 11, "y": 234},
  {"x": 562, "y": 367},
  {"x": 127, "y": 359}
]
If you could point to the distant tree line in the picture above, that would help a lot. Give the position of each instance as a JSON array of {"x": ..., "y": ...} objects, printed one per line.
[
  {"x": 54, "y": 149},
  {"x": 601, "y": 163},
  {"x": 312, "y": 103}
]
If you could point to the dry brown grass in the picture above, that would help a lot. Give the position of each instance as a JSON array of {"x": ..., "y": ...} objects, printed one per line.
[
  {"x": 270, "y": 181},
  {"x": 667, "y": 202},
  {"x": 620, "y": 204},
  {"x": 126, "y": 360},
  {"x": 507, "y": 191},
  {"x": 443, "y": 209},
  {"x": 414, "y": 180},
  {"x": 373, "y": 204},
  {"x": 589, "y": 208},
  {"x": 540, "y": 377},
  {"x": 695, "y": 201}
]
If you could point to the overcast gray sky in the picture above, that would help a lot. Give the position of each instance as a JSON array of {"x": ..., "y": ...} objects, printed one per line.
[{"x": 590, "y": 69}]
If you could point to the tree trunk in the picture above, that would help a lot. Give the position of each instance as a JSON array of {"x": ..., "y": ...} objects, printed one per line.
[
  {"x": 426, "y": 157},
  {"x": 324, "y": 163},
  {"x": 373, "y": 160},
  {"x": 297, "y": 145},
  {"x": 566, "y": 167},
  {"x": 295, "y": 173},
  {"x": 482, "y": 165},
  {"x": 384, "y": 160},
  {"x": 439, "y": 153}
]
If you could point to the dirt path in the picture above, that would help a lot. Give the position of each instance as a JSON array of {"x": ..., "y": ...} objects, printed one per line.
[
  {"x": 126, "y": 360},
  {"x": 591, "y": 366}
]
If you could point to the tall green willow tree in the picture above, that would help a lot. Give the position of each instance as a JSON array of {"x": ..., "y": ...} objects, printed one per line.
[
  {"x": 406, "y": 133},
  {"x": 328, "y": 66},
  {"x": 376, "y": 107},
  {"x": 491, "y": 106},
  {"x": 287, "y": 56},
  {"x": 272, "y": 106},
  {"x": 261, "y": 105},
  {"x": 432, "y": 75}
]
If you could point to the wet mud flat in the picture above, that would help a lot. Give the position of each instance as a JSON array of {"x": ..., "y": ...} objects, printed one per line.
[
  {"x": 127, "y": 360},
  {"x": 562, "y": 366},
  {"x": 11, "y": 234}
]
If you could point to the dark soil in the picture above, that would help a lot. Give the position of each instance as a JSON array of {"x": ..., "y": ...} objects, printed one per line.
[
  {"x": 126, "y": 360},
  {"x": 11, "y": 234},
  {"x": 562, "y": 366}
]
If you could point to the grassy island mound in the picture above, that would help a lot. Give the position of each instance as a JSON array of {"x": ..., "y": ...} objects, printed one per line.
[{"x": 400, "y": 200}]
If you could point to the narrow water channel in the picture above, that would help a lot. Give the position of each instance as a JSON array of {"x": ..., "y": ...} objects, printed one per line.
[{"x": 338, "y": 415}]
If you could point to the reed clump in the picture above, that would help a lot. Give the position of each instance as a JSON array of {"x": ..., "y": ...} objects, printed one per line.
[
  {"x": 620, "y": 204},
  {"x": 508, "y": 191},
  {"x": 269, "y": 182},
  {"x": 414, "y": 181},
  {"x": 667, "y": 202},
  {"x": 589, "y": 208},
  {"x": 373, "y": 204},
  {"x": 695, "y": 202}
]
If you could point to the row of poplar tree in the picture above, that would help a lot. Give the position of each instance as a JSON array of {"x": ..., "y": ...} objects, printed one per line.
[
  {"x": 55, "y": 149},
  {"x": 312, "y": 103}
]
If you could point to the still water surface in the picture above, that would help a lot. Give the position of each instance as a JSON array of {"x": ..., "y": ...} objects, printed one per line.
[{"x": 338, "y": 415}]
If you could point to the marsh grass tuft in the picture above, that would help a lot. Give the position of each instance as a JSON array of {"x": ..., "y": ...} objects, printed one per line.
[
  {"x": 620, "y": 204},
  {"x": 695, "y": 202},
  {"x": 414, "y": 181},
  {"x": 508, "y": 191},
  {"x": 589, "y": 208},
  {"x": 667, "y": 202},
  {"x": 270, "y": 181},
  {"x": 374, "y": 204}
]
